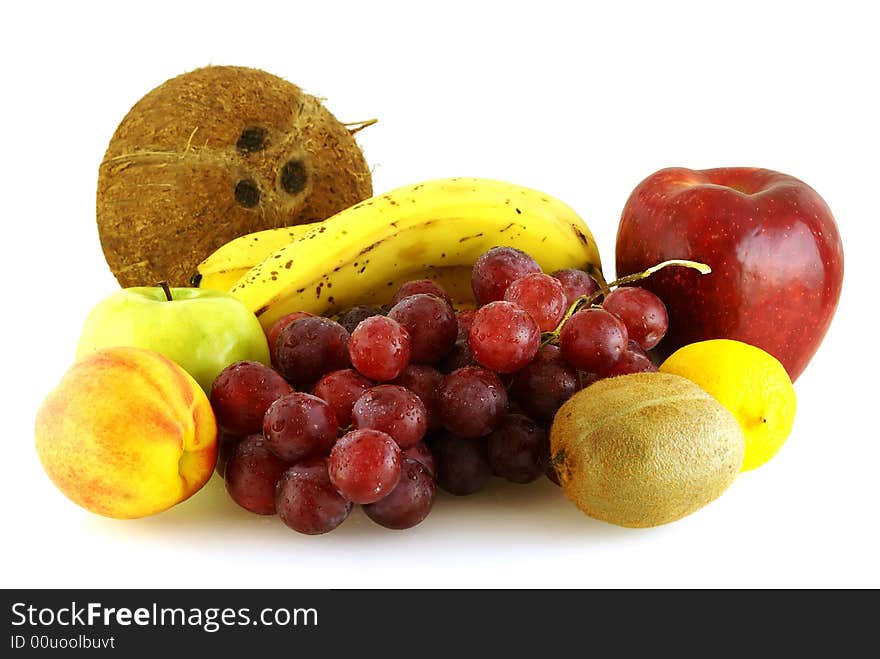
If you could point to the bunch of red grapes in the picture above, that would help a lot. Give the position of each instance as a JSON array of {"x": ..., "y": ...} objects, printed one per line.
[{"x": 381, "y": 405}]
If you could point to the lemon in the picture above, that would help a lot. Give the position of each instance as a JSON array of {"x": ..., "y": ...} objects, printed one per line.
[{"x": 749, "y": 382}]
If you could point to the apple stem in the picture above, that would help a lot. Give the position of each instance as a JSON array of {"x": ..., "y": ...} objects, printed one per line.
[
  {"x": 164, "y": 285},
  {"x": 605, "y": 288}
]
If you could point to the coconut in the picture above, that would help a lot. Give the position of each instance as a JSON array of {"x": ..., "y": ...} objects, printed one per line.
[{"x": 214, "y": 154}]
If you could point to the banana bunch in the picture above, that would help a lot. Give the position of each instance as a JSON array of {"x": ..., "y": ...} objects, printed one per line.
[
  {"x": 435, "y": 229},
  {"x": 232, "y": 261}
]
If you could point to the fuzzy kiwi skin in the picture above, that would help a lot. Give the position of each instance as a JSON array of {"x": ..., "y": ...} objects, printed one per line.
[
  {"x": 645, "y": 449},
  {"x": 214, "y": 154}
]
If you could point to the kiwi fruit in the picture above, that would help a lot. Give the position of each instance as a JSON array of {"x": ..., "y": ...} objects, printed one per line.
[
  {"x": 645, "y": 449},
  {"x": 214, "y": 154}
]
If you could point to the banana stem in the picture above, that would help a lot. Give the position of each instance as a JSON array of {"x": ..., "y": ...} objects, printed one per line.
[{"x": 605, "y": 288}]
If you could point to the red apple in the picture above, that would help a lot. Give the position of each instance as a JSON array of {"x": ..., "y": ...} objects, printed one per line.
[{"x": 772, "y": 244}]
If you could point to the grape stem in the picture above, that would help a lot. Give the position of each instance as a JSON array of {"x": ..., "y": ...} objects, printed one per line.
[{"x": 605, "y": 288}]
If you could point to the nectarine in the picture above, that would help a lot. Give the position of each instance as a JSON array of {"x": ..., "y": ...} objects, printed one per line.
[{"x": 127, "y": 433}]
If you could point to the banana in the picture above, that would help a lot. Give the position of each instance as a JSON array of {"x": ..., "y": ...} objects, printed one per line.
[
  {"x": 406, "y": 233},
  {"x": 229, "y": 263}
]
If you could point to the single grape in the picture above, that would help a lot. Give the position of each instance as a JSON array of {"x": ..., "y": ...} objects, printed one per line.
[
  {"x": 340, "y": 389},
  {"x": 310, "y": 347},
  {"x": 425, "y": 382},
  {"x": 351, "y": 318},
  {"x": 364, "y": 465},
  {"x": 251, "y": 473},
  {"x": 575, "y": 283},
  {"x": 431, "y": 324},
  {"x": 307, "y": 501},
  {"x": 462, "y": 464},
  {"x": 542, "y": 386},
  {"x": 298, "y": 426},
  {"x": 275, "y": 331},
  {"x": 643, "y": 313},
  {"x": 226, "y": 443},
  {"x": 459, "y": 357},
  {"x": 465, "y": 318},
  {"x": 417, "y": 286},
  {"x": 421, "y": 453},
  {"x": 394, "y": 410},
  {"x": 586, "y": 378},
  {"x": 593, "y": 340},
  {"x": 519, "y": 449},
  {"x": 472, "y": 401},
  {"x": 542, "y": 296},
  {"x": 409, "y": 502},
  {"x": 380, "y": 348},
  {"x": 503, "y": 337},
  {"x": 633, "y": 360},
  {"x": 241, "y": 394},
  {"x": 495, "y": 269}
]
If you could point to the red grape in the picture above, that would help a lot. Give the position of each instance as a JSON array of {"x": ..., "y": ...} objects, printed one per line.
[
  {"x": 503, "y": 337},
  {"x": 226, "y": 443},
  {"x": 417, "y": 286},
  {"x": 307, "y": 501},
  {"x": 409, "y": 502},
  {"x": 241, "y": 394},
  {"x": 352, "y": 317},
  {"x": 465, "y": 318},
  {"x": 251, "y": 473},
  {"x": 542, "y": 296},
  {"x": 365, "y": 465},
  {"x": 275, "y": 331},
  {"x": 633, "y": 360},
  {"x": 425, "y": 382},
  {"x": 576, "y": 283},
  {"x": 394, "y": 410},
  {"x": 421, "y": 453},
  {"x": 298, "y": 426},
  {"x": 544, "y": 384},
  {"x": 496, "y": 269},
  {"x": 519, "y": 449},
  {"x": 380, "y": 348},
  {"x": 643, "y": 313},
  {"x": 472, "y": 401},
  {"x": 310, "y": 347},
  {"x": 340, "y": 389},
  {"x": 462, "y": 464},
  {"x": 431, "y": 324},
  {"x": 459, "y": 357},
  {"x": 593, "y": 340}
]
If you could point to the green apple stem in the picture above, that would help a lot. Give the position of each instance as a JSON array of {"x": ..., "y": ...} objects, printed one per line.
[
  {"x": 164, "y": 285},
  {"x": 605, "y": 288}
]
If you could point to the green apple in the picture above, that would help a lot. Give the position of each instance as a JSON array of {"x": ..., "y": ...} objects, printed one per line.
[{"x": 202, "y": 330}]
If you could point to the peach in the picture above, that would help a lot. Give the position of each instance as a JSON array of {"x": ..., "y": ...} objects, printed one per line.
[{"x": 127, "y": 433}]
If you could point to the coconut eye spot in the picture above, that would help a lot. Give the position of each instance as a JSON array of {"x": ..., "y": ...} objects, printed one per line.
[
  {"x": 252, "y": 139},
  {"x": 247, "y": 193},
  {"x": 294, "y": 176}
]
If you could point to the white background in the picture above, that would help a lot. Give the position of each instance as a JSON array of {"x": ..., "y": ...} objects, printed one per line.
[{"x": 580, "y": 100}]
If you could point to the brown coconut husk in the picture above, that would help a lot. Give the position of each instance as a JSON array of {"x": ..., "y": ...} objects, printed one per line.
[{"x": 213, "y": 154}]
